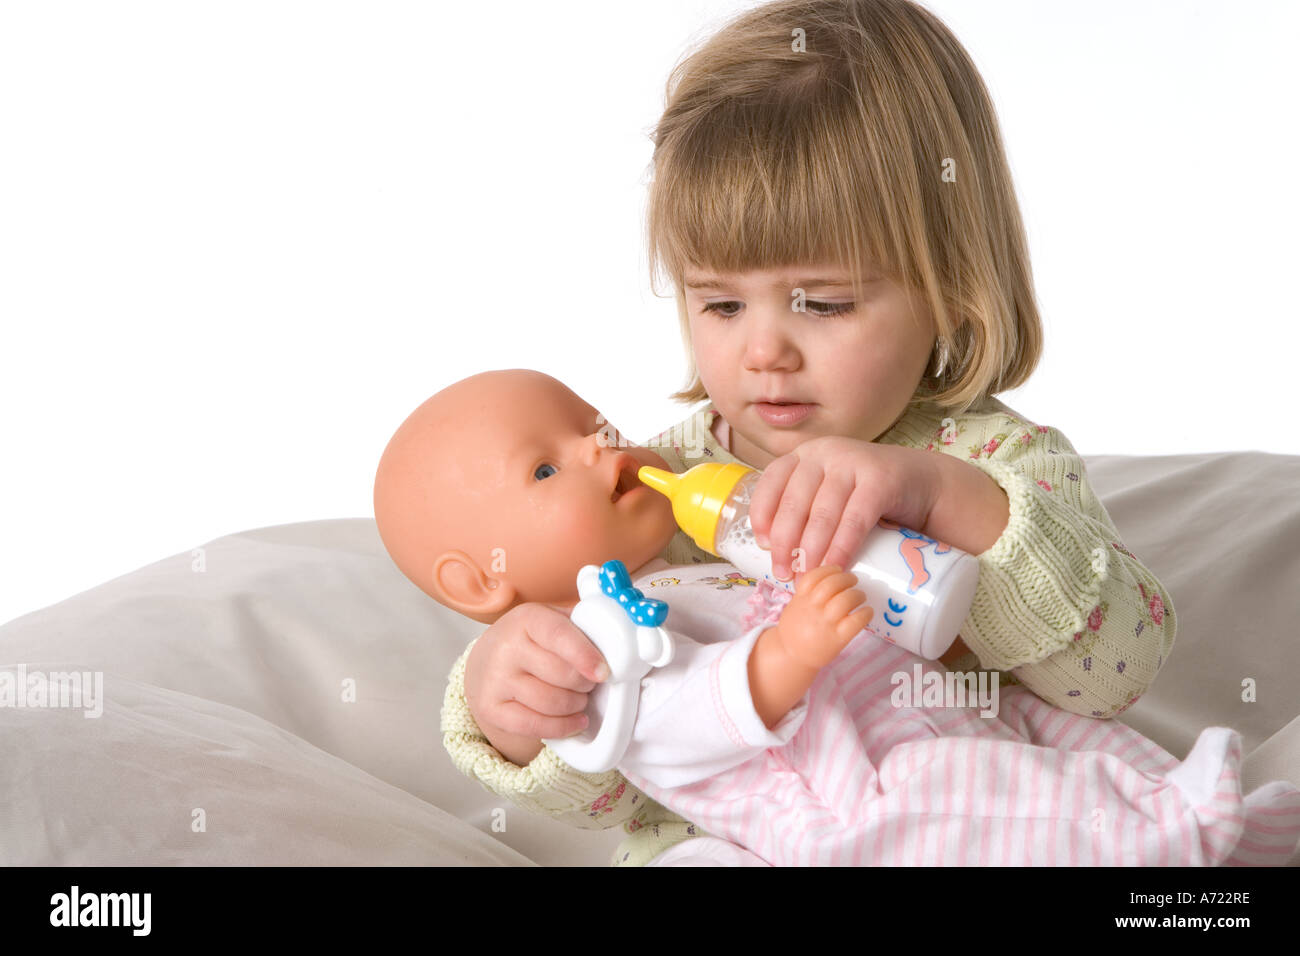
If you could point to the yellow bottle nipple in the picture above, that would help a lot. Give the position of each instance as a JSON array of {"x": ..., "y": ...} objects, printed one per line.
[{"x": 697, "y": 496}]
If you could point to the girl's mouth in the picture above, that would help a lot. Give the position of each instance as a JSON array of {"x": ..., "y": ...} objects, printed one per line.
[{"x": 783, "y": 414}]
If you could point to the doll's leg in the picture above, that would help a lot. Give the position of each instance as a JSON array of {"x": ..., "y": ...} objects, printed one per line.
[{"x": 990, "y": 802}]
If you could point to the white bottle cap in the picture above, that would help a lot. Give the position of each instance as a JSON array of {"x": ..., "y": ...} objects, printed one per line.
[{"x": 943, "y": 621}]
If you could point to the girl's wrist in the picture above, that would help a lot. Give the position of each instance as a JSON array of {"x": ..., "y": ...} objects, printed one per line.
[
  {"x": 520, "y": 751},
  {"x": 969, "y": 509},
  {"x": 516, "y": 748}
]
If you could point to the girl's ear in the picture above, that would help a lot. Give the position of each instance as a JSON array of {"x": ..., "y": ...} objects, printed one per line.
[{"x": 460, "y": 584}]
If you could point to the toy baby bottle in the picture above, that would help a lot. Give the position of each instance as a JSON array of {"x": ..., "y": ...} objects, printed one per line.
[{"x": 920, "y": 589}]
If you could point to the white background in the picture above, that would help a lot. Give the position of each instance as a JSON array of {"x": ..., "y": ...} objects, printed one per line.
[{"x": 241, "y": 241}]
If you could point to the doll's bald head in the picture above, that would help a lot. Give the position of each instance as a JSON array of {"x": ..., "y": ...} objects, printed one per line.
[{"x": 500, "y": 487}]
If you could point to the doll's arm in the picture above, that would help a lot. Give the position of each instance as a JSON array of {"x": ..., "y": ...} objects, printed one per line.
[
  {"x": 721, "y": 704},
  {"x": 815, "y": 626},
  {"x": 696, "y": 718}
]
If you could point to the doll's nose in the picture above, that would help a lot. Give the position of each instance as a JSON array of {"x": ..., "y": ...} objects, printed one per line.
[{"x": 593, "y": 446}]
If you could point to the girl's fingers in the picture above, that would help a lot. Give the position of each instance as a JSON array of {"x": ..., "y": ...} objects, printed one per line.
[
  {"x": 551, "y": 668},
  {"x": 515, "y": 718},
  {"x": 861, "y": 514},
  {"x": 824, "y": 518},
  {"x": 792, "y": 516},
  {"x": 554, "y": 632},
  {"x": 545, "y": 699},
  {"x": 767, "y": 495}
]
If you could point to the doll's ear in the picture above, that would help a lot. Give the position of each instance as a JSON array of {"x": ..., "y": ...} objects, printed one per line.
[{"x": 460, "y": 584}]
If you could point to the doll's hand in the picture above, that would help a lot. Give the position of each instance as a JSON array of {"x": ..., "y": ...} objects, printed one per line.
[
  {"x": 528, "y": 677},
  {"x": 821, "y": 619},
  {"x": 827, "y": 495}
]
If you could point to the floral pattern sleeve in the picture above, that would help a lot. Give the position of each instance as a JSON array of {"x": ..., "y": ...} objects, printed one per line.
[
  {"x": 1062, "y": 603},
  {"x": 548, "y": 785}
]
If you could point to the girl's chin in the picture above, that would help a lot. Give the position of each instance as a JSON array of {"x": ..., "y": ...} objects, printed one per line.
[{"x": 773, "y": 445}]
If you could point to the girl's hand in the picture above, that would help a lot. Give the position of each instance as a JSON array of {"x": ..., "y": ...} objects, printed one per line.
[
  {"x": 826, "y": 497},
  {"x": 528, "y": 677}
]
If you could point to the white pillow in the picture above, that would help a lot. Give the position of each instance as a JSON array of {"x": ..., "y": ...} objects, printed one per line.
[
  {"x": 1222, "y": 533},
  {"x": 163, "y": 778},
  {"x": 249, "y": 647}
]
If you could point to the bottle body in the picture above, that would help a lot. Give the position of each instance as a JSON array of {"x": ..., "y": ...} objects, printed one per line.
[{"x": 920, "y": 589}]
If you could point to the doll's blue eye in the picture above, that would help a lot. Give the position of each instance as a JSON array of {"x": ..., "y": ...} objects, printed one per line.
[{"x": 544, "y": 471}]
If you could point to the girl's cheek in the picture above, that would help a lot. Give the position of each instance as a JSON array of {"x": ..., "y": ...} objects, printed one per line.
[{"x": 702, "y": 341}]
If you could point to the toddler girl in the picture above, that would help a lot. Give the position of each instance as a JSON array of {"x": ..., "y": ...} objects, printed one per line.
[{"x": 832, "y": 203}]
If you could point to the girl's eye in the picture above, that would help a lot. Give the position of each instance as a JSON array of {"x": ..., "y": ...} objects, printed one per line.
[
  {"x": 830, "y": 308},
  {"x": 544, "y": 471},
  {"x": 824, "y": 309},
  {"x": 717, "y": 308}
]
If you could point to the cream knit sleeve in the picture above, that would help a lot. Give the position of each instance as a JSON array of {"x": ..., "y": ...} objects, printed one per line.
[
  {"x": 548, "y": 785},
  {"x": 1062, "y": 603}
]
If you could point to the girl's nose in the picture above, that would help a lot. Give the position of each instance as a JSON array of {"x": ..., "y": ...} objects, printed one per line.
[{"x": 769, "y": 345}]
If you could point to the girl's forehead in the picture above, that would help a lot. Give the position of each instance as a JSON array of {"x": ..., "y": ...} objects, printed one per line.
[{"x": 801, "y": 276}]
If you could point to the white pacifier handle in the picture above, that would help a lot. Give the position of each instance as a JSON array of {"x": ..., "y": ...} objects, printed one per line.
[{"x": 631, "y": 651}]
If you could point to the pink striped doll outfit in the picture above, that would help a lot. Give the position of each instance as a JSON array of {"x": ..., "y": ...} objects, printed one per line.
[{"x": 850, "y": 777}]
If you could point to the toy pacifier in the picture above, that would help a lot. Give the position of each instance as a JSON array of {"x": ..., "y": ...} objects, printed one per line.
[{"x": 624, "y": 626}]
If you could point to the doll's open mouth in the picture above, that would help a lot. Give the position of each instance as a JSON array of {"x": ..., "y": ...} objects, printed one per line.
[{"x": 627, "y": 479}]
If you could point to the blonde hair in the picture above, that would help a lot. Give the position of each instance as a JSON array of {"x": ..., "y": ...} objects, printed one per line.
[{"x": 867, "y": 140}]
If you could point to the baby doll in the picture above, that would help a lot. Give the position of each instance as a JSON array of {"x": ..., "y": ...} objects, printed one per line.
[
  {"x": 501, "y": 487},
  {"x": 784, "y": 741}
]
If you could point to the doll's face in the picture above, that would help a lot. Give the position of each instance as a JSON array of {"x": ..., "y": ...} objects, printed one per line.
[
  {"x": 527, "y": 479},
  {"x": 558, "y": 490}
]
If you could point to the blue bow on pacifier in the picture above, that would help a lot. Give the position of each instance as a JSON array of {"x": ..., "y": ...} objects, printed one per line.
[{"x": 617, "y": 583}]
